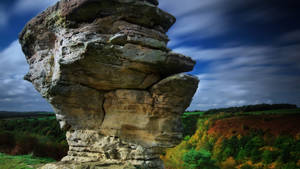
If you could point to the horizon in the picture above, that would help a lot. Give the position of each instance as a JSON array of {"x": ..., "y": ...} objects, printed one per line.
[
  {"x": 195, "y": 110},
  {"x": 247, "y": 52}
]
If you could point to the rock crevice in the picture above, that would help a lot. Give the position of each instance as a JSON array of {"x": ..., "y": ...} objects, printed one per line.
[{"x": 105, "y": 68}]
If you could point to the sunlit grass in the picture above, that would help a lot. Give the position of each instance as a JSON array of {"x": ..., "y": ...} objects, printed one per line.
[{"x": 22, "y": 161}]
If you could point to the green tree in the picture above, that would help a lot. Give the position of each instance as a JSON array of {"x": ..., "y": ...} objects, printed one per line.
[{"x": 198, "y": 159}]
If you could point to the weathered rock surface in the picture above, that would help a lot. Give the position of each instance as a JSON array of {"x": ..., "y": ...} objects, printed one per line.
[{"x": 105, "y": 68}]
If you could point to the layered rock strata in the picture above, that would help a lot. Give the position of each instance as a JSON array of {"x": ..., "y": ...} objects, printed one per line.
[{"x": 105, "y": 68}]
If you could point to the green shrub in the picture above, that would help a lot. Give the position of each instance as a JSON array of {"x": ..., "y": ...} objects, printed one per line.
[
  {"x": 187, "y": 138},
  {"x": 290, "y": 165},
  {"x": 269, "y": 156},
  {"x": 198, "y": 159}
]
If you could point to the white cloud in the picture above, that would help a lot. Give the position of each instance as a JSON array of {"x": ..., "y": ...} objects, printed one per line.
[
  {"x": 247, "y": 75},
  {"x": 12, "y": 60},
  {"x": 15, "y": 93},
  {"x": 179, "y": 8},
  {"x": 195, "y": 19},
  {"x": 22, "y": 6}
]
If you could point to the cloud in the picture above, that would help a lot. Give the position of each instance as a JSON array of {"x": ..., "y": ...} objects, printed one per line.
[
  {"x": 247, "y": 52},
  {"x": 22, "y": 6},
  {"x": 3, "y": 17},
  {"x": 12, "y": 60},
  {"x": 247, "y": 75},
  {"x": 290, "y": 37},
  {"x": 195, "y": 19},
  {"x": 15, "y": 93}
]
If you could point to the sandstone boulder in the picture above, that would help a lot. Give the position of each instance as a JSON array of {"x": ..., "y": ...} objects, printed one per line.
[{"x": 105, "y": 68}]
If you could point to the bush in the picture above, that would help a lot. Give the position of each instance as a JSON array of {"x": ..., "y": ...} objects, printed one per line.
[
  {"x": 198, "y": 159},
  {"x": 53, "y": 150},
  {"x": 269, "y": 156},
  {"x": 24, "y": 145},
  {"x": 7, "y": 139},
  {"x": 290, "y": 165}
]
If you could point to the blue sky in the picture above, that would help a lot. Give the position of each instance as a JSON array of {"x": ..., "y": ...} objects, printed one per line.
[{"x": 247, "y": 52}]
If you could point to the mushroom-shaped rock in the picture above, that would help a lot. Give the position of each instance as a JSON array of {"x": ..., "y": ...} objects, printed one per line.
[{"x": 115, "y": 87}]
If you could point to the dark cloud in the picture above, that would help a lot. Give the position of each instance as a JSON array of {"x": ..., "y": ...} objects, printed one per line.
[{"x": 248, "y": 21}]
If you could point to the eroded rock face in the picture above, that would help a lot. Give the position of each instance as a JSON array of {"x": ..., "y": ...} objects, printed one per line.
[{"x": 105, "y": 68}]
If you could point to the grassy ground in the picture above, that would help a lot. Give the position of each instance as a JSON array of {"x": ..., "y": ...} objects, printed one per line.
[
  {"x": 21, "y": 162},
  {"x": 193, "y": 113}
]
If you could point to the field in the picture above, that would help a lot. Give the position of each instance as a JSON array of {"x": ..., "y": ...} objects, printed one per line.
[
  {"x": 22, "y": 161},
  {"x": 268, "y": 139}
]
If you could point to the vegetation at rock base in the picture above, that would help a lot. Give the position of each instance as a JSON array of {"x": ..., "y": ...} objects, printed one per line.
[
  {"x": 267, "y": 139},
  {"x": 21, "y": 161},
  {"x": 246, "y": 140},
  {"x": 40, "y": 137}
]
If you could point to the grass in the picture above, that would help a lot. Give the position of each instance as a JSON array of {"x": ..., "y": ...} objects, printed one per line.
[
  {"x": 194, "y": 113},
  {"x": 22, "y": 162}
]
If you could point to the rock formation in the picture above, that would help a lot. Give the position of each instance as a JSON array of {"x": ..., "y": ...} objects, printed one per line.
[{"x": 105, "y": 68}]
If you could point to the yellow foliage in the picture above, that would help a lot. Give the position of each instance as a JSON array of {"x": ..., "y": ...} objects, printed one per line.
[
  {"x": 217, "y": 147},
  {"x": 229, "y": 163},
  {"x": 173, "y": 157},
  {"x": 247, "y": 162},
  {"x": 297, "y": 136},
  {"x": 298, "y": 163},
  {"x": 269, "y": 148}
]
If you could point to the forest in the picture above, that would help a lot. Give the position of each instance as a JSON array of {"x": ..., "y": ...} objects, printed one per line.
[{"x": 265, "y": 138}]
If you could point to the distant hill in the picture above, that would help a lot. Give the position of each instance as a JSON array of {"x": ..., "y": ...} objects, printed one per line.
[
  {"x": 11, "y": 114},
  {"x": 251, "y": 108}
]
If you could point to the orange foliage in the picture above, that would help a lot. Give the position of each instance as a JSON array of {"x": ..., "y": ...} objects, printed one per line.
[{"x": 274, "y": 124}]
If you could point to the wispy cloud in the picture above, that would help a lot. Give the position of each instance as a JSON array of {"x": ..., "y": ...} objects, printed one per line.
[
  {"x": 195, "y": 19},
  {"x": 247, "y": 75},
  {"x": 12, "y": 60},
  {"x": 3, "y": 17},
  {"x": 22, "y": 6},
  {"x": 15, "y": 93}
]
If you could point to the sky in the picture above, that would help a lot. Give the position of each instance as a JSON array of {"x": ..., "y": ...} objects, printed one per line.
[{"x": 247, "y": 51}]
